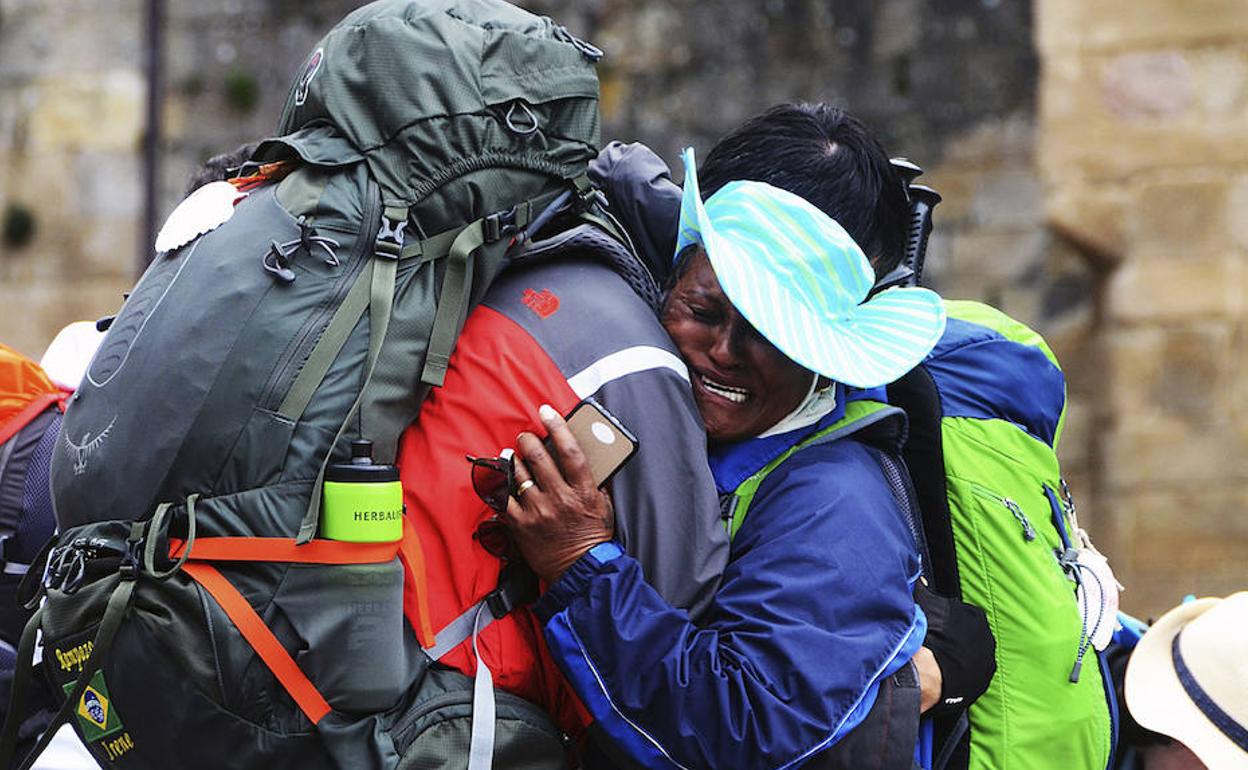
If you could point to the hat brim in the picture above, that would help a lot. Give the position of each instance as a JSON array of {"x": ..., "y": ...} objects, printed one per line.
[
  {"x": 1156, "y": 697},
  {"x": 873, "y": 345}
]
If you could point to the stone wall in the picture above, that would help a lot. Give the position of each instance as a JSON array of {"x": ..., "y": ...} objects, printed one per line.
[
  {"x": 1144, "y": 146},
  {"x": 71, "y": 119},
  {"x": 1108, "y": 218}
]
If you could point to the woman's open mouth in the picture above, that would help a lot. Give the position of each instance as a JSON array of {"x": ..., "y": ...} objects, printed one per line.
[{"x": 726, "y": 392}]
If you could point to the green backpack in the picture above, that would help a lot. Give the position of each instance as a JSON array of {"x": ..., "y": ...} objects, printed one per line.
[
  {"x": 193, "y": 617},
  {"x": 986, "y": 410}
]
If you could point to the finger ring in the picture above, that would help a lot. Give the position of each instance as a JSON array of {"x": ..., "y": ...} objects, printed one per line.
[{"x": 525, "y": 486}]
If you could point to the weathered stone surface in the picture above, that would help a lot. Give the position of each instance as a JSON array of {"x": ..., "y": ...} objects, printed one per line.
[
  {"x": 1156, "y": 453},
  {"x": 1181, "y": 541},
  {"x": 1158, "y": 290},
  {"x": 995, "y": 255},
  {"x": 1093, "y": 218},
  {"x": 1072, "y": 24},
  {"x": 1182, "y": 218},
  {"x": 1010, "y": 198},
  {"x": 101, "y": 112},
  {"x": 48, "y": 307},
  {"x": 1237, "y": 211},
  {"x": 1105, "y": 117},
  {"x": 1221, "y": 80},
  {"x": 1148, "y": 85}
]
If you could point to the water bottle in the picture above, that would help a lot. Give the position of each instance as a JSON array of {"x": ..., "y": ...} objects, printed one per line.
[{"x": 360, "y": 639}]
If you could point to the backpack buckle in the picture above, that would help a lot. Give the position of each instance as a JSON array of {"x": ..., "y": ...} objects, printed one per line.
[
  {"x": 390, "y": 235},
  {"x": 517, "y": 586},
  {"x": 499, "y": 225},
  {"x": 133, "y": 556}
]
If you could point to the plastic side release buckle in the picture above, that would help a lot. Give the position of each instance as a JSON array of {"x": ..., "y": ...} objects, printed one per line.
[
  {"x": 499, "y": 225},
  {"x": 517, "y": 586},
  {"x": 390, "y": 236}
]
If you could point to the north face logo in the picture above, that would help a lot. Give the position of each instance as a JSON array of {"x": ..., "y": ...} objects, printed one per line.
[{"x": 543, "y": 302}]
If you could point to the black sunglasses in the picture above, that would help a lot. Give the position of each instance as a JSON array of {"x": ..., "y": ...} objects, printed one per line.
[{"x": 494, "y": 480}]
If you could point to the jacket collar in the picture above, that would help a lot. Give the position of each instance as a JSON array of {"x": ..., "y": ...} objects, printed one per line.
[{"x": 733, "y": 463}]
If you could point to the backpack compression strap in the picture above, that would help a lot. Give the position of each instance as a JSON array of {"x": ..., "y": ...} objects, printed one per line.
[
  {"x": 859, "y": 415},
  {"x": 245, "y": 618},
  {"x": 262, "y": 640}
]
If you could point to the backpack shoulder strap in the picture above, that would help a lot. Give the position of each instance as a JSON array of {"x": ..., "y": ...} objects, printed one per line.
[{"x": 859, "y": 419}]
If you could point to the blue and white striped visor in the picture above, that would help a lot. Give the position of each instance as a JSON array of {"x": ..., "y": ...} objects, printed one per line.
[{"x": 800, "y": 279}]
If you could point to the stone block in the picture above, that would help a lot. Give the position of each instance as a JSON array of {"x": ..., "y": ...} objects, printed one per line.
[
  {"x": 107, "y": 248},
  {"x": 1130, "y": 370},
  {"x": 109, "y": 185},
  {"x": 1237, "y": 212},
  {"x": 1101, "y": 124},
  {"x": 1185, "y": 540},
  {"x": 1010, "y": 198},
  {"x": 1075, "y": 447},
  {"x": 1176, "y": 373},
  {"x": 1009, "y": 139},
  {"x": 1180, "y": 219},
  {"x": 992, "y": 256},
  {"x": 1221, "y": 80},
  {"x": 1148, "y": 85},
  {"x": 1092, "y": 218},
  {"x": 1153, "y": 453},
  {"x": 1074, "y": 24},
  {"x": 103, "y": 112},
  {"x": 956, "y": 188},
  {"x": 1176, "y": 290}
]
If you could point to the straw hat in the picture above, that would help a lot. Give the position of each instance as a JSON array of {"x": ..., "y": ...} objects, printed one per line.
[
  {"x": 1188, "y": 679},
  {"x": 801, "y": 281}
]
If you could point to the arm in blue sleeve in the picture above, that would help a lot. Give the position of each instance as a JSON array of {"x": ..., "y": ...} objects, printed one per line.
[
  {"x": 815, "y": 607},
  {"x": 682, "y": 557}
]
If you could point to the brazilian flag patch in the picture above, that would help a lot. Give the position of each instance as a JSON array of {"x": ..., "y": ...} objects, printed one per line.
[{"x": 96, "y": 715}]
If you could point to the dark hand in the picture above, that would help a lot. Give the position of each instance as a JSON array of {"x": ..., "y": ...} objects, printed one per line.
[
  {"x": 558, "y": 514},
  {"x": 962, "y": 644}
]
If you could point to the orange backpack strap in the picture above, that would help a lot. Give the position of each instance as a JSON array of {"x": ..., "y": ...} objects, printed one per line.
[
  {"x": 32, "y": 410},
  {"x": 25, "y": 391},
  {"x": 261, "y": 640},
  {"x": 281, "y": 549},
  {"x": 416, "y": 600}
]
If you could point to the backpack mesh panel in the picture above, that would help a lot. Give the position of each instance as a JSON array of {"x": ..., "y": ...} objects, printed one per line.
[
  {"x": 38, "y": 521},
  {"x": 899, "y": 482}
]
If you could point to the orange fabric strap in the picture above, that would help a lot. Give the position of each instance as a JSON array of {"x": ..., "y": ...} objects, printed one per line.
[
  {"x": 261, "y": 640},
  {"x": 30, "y": 412},
  {"x": 281, "y": 549},
  {"x": 416, "y": 583}
]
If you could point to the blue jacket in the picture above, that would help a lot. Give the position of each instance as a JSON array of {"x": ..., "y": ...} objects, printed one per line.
[{"x": 814, "y": 609}]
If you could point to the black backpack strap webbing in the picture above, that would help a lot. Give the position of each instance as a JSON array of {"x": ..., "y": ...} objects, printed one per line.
[
  {"x": 114, "y": 613},
  {"x": 22, "y": 675}
]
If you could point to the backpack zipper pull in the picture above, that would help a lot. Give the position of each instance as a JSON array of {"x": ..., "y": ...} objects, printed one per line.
[{"x": 1029, "y": 532}]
